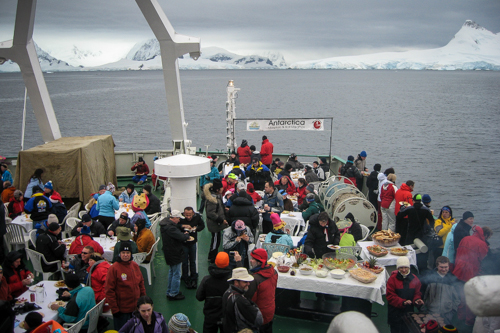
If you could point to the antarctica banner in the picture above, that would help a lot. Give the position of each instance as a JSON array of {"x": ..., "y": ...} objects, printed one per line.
[{"x": 309, "y": 124}]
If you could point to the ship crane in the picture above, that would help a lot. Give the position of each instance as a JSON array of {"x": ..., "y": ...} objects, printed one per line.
[{"x": 21, "y": 49}]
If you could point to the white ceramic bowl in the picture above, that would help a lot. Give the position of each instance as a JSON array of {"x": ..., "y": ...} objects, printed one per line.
[
  {"x": 337, "y": 273},
  {"x": 306, "y": 270},
  {"x": 321, "y": 273}
]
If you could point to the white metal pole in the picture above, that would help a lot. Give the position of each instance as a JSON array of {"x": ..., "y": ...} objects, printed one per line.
[{"x": 24, "y": 118}]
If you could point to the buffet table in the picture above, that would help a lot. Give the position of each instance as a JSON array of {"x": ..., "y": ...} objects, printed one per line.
[
  {"x": 389, "y": 259},
  {"x": 347, "y": 286},
  {"x": 108, "y": 245},
  {"x": 50, "y": 296}
]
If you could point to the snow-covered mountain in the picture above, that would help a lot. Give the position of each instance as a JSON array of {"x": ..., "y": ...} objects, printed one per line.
[
  {"x": 147, "y": 55},
  {"x": 472, "y": 48},
  {"x": 47, "y": 62}
]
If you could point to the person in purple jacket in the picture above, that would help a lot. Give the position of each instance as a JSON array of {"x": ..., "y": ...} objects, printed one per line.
[{"x": 144, "y": 319}]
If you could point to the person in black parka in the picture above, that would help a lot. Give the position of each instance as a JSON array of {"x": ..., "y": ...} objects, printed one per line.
[
  {"x": 317, "y": 240},
  {"x": 243, "y": 209}
]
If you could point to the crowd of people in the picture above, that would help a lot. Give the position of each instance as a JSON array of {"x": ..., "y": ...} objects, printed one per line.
[{"x": 239, "y": 291}]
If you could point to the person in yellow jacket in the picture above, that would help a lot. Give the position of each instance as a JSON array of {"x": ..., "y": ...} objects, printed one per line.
[{"x": 442, "y": 226}]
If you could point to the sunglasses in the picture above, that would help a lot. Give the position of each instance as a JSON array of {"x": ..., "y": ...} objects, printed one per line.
[{"x": 85, "y": 253}]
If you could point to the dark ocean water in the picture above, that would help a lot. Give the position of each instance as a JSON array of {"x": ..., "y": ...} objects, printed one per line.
[{"x": 440, "y": 129}]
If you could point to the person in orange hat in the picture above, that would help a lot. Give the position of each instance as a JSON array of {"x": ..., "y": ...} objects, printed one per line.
[{"x": 211, "y": 289}]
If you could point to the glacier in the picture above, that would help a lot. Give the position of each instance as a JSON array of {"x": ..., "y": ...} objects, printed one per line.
[{"x": 472, "y": 48}]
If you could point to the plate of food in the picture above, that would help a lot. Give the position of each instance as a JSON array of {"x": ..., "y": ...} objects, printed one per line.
[
  {"x": 67, "y": 240},
  {"x": 286, "y": 212},
  {"x": 21, "y": 300},
  {"x": 399, "y": 251},
  {"x": 60, "y": 284},
  {"x": 60, "y": 303},
  {"x": 377, "y": 250},
  {"x": 362, "y": 275},
  {"x": 333, "y": 247},
  {"x": 371, "y": 265}
]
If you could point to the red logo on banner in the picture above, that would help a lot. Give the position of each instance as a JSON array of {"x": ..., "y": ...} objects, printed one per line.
[{"x": 317, "y": 124}]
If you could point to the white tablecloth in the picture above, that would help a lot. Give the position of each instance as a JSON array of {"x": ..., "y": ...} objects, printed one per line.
[
  {"x": 345, "y": 287},
  {"x": 389, "y": 259},
  {"x": 295, "y": 175},
  {"x": 50, "y": 296},
  {"x": 123, "y": 209},
  {"x": 107, "y": 245},
  {"x": 293, "y": 218},
  {"x": 27, "y": 223}
]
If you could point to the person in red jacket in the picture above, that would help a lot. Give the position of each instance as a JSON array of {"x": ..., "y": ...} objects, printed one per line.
[
  {"x": 285, "y": 183},
  {"x": 244, "y": 153},
  {"x": 17, "y": 276},
  {"x": 403, "y": 291},
  {"x": 98, "y": 270},
  {"x": 16, "y": 204},
  {"x": 471, "y": 251},
  {"x": 301, "y": 190},
  {"x": 124, "y": 286},
  {"x": 266, "y": 152},
  {"x": 84, "y": 240},
  {"x": 404, "y": 195},
  {"x": 229, "y": 182},
  {"x": 262, "y": 289},
  {"x": 251, "y": 192},
  {"x": 387, "y": 203},
  {"x": 5, "y": 294}
]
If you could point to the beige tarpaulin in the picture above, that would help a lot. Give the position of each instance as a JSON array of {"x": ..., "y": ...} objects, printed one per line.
[{"x": 76, "y": 165}]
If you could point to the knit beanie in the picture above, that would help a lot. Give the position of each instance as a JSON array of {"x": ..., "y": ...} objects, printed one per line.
[
  {"x": 17, "y": 194},
  {"x": 131, "y": 186},
  {"x": 49, "y": 185},
  {"x": 431, "y": 327},
  {"x": 310, "y": 188},
  {"x": 179, "y": 323},
  {"x": 467, "y": 214},
  {"x": 377, "y": 167},
  {"x": 448, "y": 329},
  {"x": 426, "y": 198},
  {"x": 147, "y": 187},
  {"x": 85, "y": 230},
  {"x": 72, "y": 281},
  {"x": 222, "y": 260},
  {"x": 392, "y": 177},
  {"x": 363, "y": 154},
  {"x": 310, "y": 197},
  {"x": 52, "y": 218},
  {"x": 350, "y": 158},
  {"x": 403, "y": 262},
  {"x": 54, "y": 226},
  {"x": 216, "y": 185}
]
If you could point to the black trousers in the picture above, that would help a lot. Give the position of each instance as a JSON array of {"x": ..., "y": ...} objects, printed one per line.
[
  {"x": 210, "y": 327},
  {"x": 214, "y": 246}
]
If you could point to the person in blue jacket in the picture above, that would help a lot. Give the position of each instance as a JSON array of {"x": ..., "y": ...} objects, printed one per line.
[
  {"x": 206, "y": 179},
  {"x": 106, "y": 205},
  {"x": 82, "y": 299},
  {"x": 144, "y": 315},
  {"x": 6, "y": 175}
]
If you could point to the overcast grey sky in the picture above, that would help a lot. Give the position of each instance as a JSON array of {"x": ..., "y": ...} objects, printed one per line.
[{"x": 301, "y": 30}]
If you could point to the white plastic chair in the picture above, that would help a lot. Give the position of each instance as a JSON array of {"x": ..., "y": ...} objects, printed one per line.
[
  {"x": 74, "y": 327},
  {"x": 291, "y": 223},
  {"x": 33, "y": 237},
  {"x": 154, "y": 228},
  {"x": 36, "y": 260},
  {"x": 71, "y": 223},
  {"x": 139, "y": 257},
  {"x": 75, "y": 208},
  {"x": 16, "y": 235},
  {"x": 81, "y": 213},
  {"x": 93, "y": 316},
  {"x": 366, "y": 232},
  {"x": 6, "y": 209},
  {"x": 149, "y": 266}
]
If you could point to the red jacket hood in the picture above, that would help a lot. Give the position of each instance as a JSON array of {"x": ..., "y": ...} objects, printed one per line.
[
  {"x": 479, "y": 233},
  {"x": 405, "y": 187},
  {"x": 265, "y": 141}
]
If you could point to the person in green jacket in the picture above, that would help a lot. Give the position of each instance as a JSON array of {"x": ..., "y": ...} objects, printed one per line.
[
  {"x": 313, "y": 208},
  {"x": 82, "y": 300}
]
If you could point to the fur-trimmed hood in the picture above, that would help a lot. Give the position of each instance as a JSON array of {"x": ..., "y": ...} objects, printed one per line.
[{"x": 209, "y": 195}]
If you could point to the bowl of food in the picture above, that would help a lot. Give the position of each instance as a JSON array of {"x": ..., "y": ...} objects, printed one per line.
[
  {"x": 321, "y": 273},
  {"x": 399, "y": 251},
  {"x": 283, "y": 269},
  {"x": 333, "y": 260},
  {"x": 337, "y": 273},
  {"x": 386, "y": 238},
  {"x": 377, "y": 250},
  {"x": 306, "y": 270}
]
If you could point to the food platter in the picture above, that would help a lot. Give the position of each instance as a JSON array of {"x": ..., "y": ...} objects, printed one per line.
[
  {"x": 362, "y": 275},
  {"x": 67, "y": 240},
  {"x": 377, "y": 250},
  {"x": 399, "y": 251}
]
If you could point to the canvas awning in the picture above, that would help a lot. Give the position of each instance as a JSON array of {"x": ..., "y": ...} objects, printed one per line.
[{"x": 75, "y": 165}]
